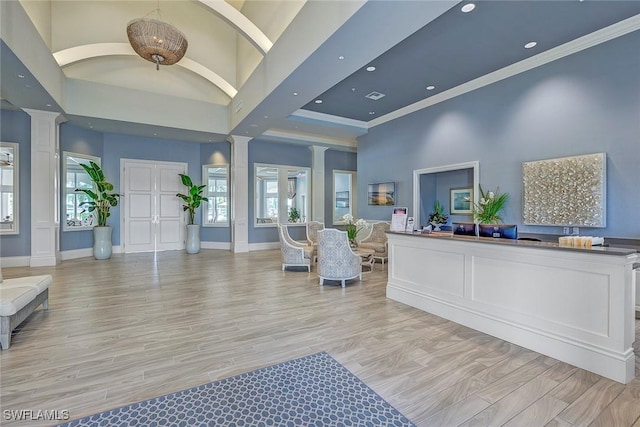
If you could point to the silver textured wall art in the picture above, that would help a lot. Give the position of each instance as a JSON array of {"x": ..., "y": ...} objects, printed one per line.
[{"x": 566, "y": 191}]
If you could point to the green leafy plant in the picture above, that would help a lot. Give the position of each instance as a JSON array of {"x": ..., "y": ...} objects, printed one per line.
[
  {"x": 294, "y": 215},
  {"x": 102, "y": 196},
  {"x": 437, "y": 216},
  {"x": 487, "y": 210},
  {"x": 194, "y": 199}
]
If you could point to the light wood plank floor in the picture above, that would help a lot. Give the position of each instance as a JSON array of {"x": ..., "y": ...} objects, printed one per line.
[{"x": 142, "y": 325}]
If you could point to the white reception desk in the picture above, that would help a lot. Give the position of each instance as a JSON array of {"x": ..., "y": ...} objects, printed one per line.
[{"x": 575, "y": 305}]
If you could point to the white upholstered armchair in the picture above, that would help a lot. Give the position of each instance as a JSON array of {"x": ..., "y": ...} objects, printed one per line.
[
  {"x": 312, "y": 231},
  {"x": 294, "y": 254},
  {"x": 336, "y": 260},
  {"x": 377, "y": 240}
]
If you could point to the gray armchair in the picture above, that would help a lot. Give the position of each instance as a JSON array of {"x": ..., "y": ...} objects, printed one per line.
[
  {"x": 377, "y": 240},
  {"x": 336, "y": 260},
  {"x": 293, "y": 254}
]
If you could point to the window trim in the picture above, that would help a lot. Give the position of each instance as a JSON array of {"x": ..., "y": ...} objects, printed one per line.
[
  {"x": 65, "y": 156},
  {"x": 205, "y": 209},
  {"x": 282, "y": 194},
  {"x": 15, "y": 229}
]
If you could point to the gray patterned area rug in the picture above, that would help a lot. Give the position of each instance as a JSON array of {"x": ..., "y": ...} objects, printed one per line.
[{"x": 313, "y": 390}]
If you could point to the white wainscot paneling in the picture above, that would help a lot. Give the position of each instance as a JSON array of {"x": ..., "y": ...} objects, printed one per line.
[
  {"x": 566, "y": 297},
  {"x": 429, "y": 271}
]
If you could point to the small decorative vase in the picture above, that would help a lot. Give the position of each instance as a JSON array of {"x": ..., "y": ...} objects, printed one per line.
[
  {"x": 436, "y": 226},
  {"x": 193, "y": 238},
  {"x": 353, "y": 243},
  {"x": 102, "y": 242}
]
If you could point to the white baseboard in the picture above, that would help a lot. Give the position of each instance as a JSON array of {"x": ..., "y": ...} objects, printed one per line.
[
  {"x": 263, "y": 246},
  {"x": 15, "y": 261},
  {"x": 216, "y": 245},
  {"x": 76, "y": 253}
]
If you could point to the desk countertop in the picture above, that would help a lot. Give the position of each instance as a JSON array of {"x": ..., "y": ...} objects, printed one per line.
[{"x": 604, "y": 250}]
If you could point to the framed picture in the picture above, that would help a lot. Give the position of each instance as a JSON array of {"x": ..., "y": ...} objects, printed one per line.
[
  {"x": 461, "y": 201},
  {"x": 382, "y": 194}
]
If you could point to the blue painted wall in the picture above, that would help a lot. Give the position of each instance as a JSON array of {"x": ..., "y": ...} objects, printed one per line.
[
  {"x": 437, "y": 186},
  {"x": 82, "y": 141},
  {"x": 15, "y": 126},
  {"x": 585, "y": 103},
  {"x": 117, "y": 147}
]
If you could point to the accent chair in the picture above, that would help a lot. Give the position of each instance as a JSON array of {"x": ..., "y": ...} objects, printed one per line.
[
  {"x": 293, "y": 254},
  {"x": 336, "y": 260},
  {"x": 377, "y": 240}
]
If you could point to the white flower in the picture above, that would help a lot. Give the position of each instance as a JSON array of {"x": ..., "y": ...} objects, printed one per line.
[
  {"x": 348, "y": 218},
  {"x": 491, "y": 195},
  {"x": 483, "y": 201}
]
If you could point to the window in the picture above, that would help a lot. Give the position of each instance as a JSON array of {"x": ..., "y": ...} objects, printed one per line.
[
  {"x": 344, "y": 186},
  {"x": 216, "y": 212},
  {"x": 8, "y": 188},
  {"x": 76, "y": 217},
  {"x": 281, "y": 194}
]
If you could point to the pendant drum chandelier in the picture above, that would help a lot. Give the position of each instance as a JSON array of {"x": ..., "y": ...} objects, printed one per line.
[{"x": 157, "y": 41}]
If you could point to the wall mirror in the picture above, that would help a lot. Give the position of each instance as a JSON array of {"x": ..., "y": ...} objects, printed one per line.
[
  {"x": 344, "y": 198},
  {"x": 76, "y": 216},
  {"x": 216, "y": 212},
  {"x": 437, "y": 183},
  {"x": 9, "y": 188},
  {"x": 281, "y": 194}
]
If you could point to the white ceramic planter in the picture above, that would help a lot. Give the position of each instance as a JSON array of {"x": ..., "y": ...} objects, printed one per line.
[
  {"x": 102, "y": 242},
  {"x": 193, "y": 238}
]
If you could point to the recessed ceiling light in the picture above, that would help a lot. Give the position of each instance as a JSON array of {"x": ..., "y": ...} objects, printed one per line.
[
  {"x": 318, "y": 101},
  {"x": 372, "y": 113},
  {"x": 371, "y": 68},
  {"x": 155, "y": 134},
  {"x": 211, "y": 140},
  {"x": 266, "y": 117},
  {"x": 48, "y": 105},
  {"x": 27, "y": 85},
  {"x": 468, "y": 7},
  {"x": 340, "y": 57},
  {"x": 295, "y": 93},
  {"x": 530, "y": 45},
  {"x": 431, "y": 87},
  {"x": 20, "y": 76}
]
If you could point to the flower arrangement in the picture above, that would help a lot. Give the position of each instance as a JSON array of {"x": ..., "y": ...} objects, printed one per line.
[
  {"x": 487, "y": 210},
  {"x": 353, "y": 227}
]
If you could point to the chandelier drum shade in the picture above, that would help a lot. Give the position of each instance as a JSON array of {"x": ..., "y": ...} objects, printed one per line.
[{"x": 157, "y": 41}]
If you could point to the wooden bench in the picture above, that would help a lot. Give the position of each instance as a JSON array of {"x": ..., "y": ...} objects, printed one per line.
[{"x": 19, "y": 297}]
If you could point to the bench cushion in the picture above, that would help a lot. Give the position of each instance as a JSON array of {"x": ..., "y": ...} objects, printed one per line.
[
  {"x": 39, "y": 283},
  {"x": 13, "y": 299}
]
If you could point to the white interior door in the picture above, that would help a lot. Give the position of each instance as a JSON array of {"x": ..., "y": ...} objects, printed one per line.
[{"x": 152, "y": 218}]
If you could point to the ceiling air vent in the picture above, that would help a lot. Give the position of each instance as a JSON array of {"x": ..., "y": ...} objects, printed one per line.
[{"x": 374, "y": 95}]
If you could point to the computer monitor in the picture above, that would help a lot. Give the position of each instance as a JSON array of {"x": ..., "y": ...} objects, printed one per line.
[
  {"x": 464, "y": 228},
  {"x": 503, "y": 231}
]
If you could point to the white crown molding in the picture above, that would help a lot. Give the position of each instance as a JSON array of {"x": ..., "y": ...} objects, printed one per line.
[
  {"x": 241, "y": 23},
  {"x": 285, "y": 135},
  {"x": 328, "y": 118},
  {"x": 597, "y": 37},
  {"x": 78, "y": 53}
]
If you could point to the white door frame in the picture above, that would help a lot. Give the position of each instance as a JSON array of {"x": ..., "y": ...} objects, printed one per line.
[{"x": 123, "y": 163}]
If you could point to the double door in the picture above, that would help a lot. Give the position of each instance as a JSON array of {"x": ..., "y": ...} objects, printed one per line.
[{"x": 153, "y": 219}]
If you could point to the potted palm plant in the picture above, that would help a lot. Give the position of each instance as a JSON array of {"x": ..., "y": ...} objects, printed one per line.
[
  {"x": 192, "y": 201},
  {"x": 103, "y": 198}
]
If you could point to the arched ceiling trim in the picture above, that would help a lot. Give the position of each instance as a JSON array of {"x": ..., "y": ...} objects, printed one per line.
[
  {"x": 241, "y": 23},
  {"x": 78, "y": 53}
]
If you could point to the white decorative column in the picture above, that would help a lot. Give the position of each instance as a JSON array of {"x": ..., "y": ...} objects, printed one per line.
[
  {"x": 317, "y": 183},
  {"x": 45, "y": 187},
  {"x": 239, "y": 193}
]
